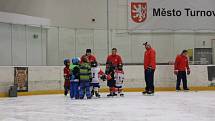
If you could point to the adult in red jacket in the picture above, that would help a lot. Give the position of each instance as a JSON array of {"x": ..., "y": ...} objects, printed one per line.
[
  {"x": 149, "y": 68},
  {"x": 112, "y": 62},
  {"x": 180, "y": 67},
  {"x": 91, "y": 58},
  {"x": 114, "y": 58}
]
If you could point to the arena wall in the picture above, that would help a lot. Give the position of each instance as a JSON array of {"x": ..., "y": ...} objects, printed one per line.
[
  {"x": 49, "y": 79},
  {"x": 77, "y": 32}
]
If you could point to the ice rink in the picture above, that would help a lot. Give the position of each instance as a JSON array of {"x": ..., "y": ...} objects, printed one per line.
[{"x": 164, "y": 106}]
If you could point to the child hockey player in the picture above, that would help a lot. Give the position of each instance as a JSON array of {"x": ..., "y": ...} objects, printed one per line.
[
  {"x": 111, "y": 63},
  {"x": 66, "y": 76},
  {"x": 85, "y": 76},
  {"x": 111, "y": 83},
  {"x": 119, "y": 77},
  {"x": 97, "y": 73},
  {"x": 74, "y": 67}
]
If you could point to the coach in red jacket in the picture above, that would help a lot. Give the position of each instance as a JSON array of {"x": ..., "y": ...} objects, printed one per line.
[
  {"x": 91, "y": 58},
  {"x": 114, "y": 58},
  {"x": 181, "y": 66},
  {"x": 149, "y": 68},
  {"x": 112, "y": 62}
]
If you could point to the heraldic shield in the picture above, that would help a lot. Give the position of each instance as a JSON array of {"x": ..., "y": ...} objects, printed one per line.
[{"x": 138, "y": 11}]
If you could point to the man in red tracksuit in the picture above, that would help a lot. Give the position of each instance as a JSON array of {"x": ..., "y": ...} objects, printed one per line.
[
  {"x": 91, "y": 58},
  {"x": 149, "y": 68},
  {"x": 180, "y": 68},
  {"x": 112, "y": 62}
]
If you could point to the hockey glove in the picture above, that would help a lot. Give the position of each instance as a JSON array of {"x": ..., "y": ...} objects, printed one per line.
[
  {"x": 188, "y": 72},
  {"x": 103, "y": 77}
]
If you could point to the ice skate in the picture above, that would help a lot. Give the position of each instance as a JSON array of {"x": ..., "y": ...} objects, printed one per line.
[
  {"x": 186, "y": 90},
  {"x": 110, "y": 95},
  {"x": 92, "y": 92},
  {"x": 148, "y": 93},
  {"x": 145, "y": 92},
  {"x": 114, "y": 94},
  {"x": 121, "y": 95},
  {"x": 97, "y": 95},
  {"x": 81, "y": 98},
  {"x": 178, "y": 89},
  {"x": 65, "y": 92}
]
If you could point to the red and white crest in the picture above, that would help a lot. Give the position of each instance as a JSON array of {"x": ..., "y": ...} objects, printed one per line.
[{"x": 138, "y": 11}]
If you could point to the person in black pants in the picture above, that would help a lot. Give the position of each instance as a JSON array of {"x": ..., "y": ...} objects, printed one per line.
[
  {"x": 182, "y": 75},
  {"x": 182, "y": 69},
  {"x": 149, "y": 68},
  {"x": 149, "y": 79}
]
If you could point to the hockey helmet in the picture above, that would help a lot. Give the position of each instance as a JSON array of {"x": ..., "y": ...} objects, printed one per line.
[
  {"x": 66, "y": 61},
  {"x": 94, "y": 64},
  {"x": 75, "y": 60}
]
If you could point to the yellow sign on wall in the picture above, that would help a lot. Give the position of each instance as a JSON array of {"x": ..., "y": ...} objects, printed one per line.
[{"x": 190, "y": 54}]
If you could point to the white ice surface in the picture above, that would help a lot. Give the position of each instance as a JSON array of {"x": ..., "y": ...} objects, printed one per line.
[{"x": 164, "y": 106}]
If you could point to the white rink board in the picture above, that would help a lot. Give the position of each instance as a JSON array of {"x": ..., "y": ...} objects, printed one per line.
[{"x": 51, "y": 77}]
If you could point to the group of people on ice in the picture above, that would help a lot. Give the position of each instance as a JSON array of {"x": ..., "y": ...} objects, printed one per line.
[{"x": 83, "y": 75}]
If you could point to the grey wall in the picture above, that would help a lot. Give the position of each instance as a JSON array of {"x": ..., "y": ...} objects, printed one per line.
[
  {"x": 68, "y": 42},
  {"x": 19, "y": 47},
  {"x": 5, "y": 46},
  {"x": 72, "y": 13},
  {"x": 73, "y": 42},
  {"x": 168, "y": 45}
]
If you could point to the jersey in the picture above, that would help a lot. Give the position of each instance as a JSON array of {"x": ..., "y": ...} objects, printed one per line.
[
  {"x": 114, "y": 59},
  {"x": 66, "y": 76},
  {"x": 85, "y": 72},
  {"x": 75, "y": 73},
  {"x": 119, "y": 77},
  {"x": 181, "y": 63},
  {"x": 66, "y": 71},
  {"x": 90, "y": 58},
  {"x": 96, "y": 74},
  {"x": 150, "y": 59}
]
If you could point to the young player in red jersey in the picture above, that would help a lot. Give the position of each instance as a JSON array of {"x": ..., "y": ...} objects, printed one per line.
[{"x": 66, "y": 76}]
